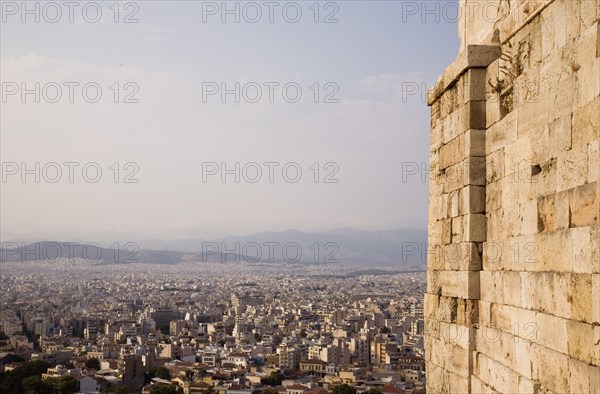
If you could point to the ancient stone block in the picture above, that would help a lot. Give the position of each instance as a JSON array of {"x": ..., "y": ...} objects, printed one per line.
[
  {"x": 544, "y": 180},
  {"x": 583, "y": 205},
  {"x": 475, "y": 228},
  {"x": 451, "y": 153},
  {"x": 472, "y": 116},
  {"x": 474, "y": 142},
  {"x": 550, "y": 368},
  {"x": 572, "y": 168},
  {"x": 582, "y": 252},
  {"x": 586, "y": 124},
  {"x": 581, "y": 297},
  {"x": 471, "y": 199},
  {"x": 553, "y": 212},
  {"x": 559, "y": 136},
  {"x": 579, "y": 378},
  {"x": 495, "y": 163},
  {"x": 581, "y": 342},
  {"x": 556, "y": 251}
]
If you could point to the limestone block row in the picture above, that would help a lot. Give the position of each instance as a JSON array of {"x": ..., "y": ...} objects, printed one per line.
[
  {"x": 464, "y": 256},
  {"x": 568, "y": 250},
  {"x": 571, "y": 250},
  {"x": 588, "y": 66},
  {"x": 453, "y": 334},
  {"x": 468, "y": 200},
  {"x": 460, "y": 362},
  {"x": 470, "y": 143},
  {"x": 569, "y": 296},
  {"x": 559, "y": 373},
  {"x": 496, "y": 374},
  {"x": 440, "y": 308},
  {"x": 471, "y": 171},
  {"x": 553, "y": 212},
  {"x": 584, "y": 205},
  {"x": 568, "y": 337},
  {"x": 461, "y": 284},
  {"x": 559, "y": 134},
  {"x": 440, "y": 232},
  {"x": 555, "y": 251},
  {"x": 551, "y": 369},
  {"x": 502, "y": 287},
  {"x": 583, "y": 378},
  {"x": 511, "y": 254},
  {"x": 499, "y": 135},
  {"x": 472, "y": 85},
  {"x": 441, "y": 381},
  {"x": 469, "y": 228},
  {"x": 446, "y": 104},
  {"x": 572, "y": 168},
  {"x": 583, "y": 342},
  {"x": 437, "y": 378},
  {"x": 515, "y": 351},
  {"x": 586, "y": 122}
]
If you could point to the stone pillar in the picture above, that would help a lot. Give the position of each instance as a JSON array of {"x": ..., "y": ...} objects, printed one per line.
[{"x": 457, "y": 221}]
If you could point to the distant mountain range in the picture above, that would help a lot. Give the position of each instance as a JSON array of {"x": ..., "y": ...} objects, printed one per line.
[{"x": 401, "y": 248}]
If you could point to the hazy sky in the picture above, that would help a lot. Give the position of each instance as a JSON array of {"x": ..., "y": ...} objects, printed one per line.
[{"x": 175, "y": 52}]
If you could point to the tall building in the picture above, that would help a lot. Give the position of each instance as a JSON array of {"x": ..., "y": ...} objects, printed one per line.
[
  {"x": 241, "y": 302},
  {"x": 132, "y": 371},
  {"x": 513, "y": 301}
]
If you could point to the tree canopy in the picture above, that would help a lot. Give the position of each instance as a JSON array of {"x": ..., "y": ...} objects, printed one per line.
[
  {"x": 344, "y": 389},
  {"x": 92, "y": 363}
]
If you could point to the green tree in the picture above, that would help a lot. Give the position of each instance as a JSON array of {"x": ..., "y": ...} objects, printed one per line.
[
  {"x": 166, "y": 389},
  {"x": 275, "y": 378},
  {"x": 270, "y": 391},
  {"x": 384, "y": 330},
  {"x": 303, "y": 333},
  {"x": 162, "y": 373},
  {"x": 116, "y": 390},
  {"x": 64, "y": 385},
  {"x": 3, "y": 336},
  {"x": 92, "y": 363},
  {"x": 372, "y": 391},
  {"x": 13, "y": 381},
  {"x": 344, "y": 389},
  {"x": 35, "y": 385}
]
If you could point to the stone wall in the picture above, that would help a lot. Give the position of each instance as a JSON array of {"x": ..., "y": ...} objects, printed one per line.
[{"x": 513, "y": 299}]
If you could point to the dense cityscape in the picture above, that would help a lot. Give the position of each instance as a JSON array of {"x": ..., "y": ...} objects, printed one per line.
[{"x": 233, "y": 328}]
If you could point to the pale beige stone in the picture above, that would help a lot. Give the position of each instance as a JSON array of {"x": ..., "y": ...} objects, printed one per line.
[
  {"x": 586, "y": 124},
  {"x": 471, "y": 199},
  {"x": 560, "y": 136},
  {"x": 582, "y": 253},
  {"x": 578, "y": 376},
  {"x": 583, "y": 205},
  {"x": 572, "y": 168},
  {"x": 581, "y": 342},
  {"x": 581, "y": 297},
  {"x": 550, "y": 368}
]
